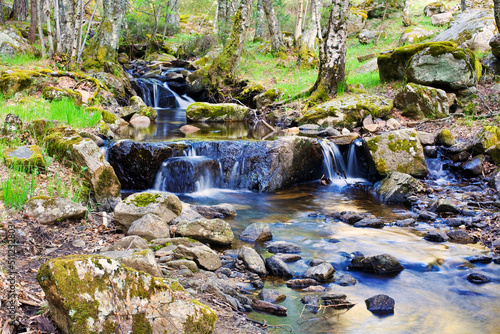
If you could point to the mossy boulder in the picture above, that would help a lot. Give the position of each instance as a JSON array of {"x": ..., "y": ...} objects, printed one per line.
[
  {"x": 28, "y": 156},
  {"x": 138, "y": 107},
  {"x": 415, "y": 35},
  {"x": 141, "y": 260},
  {"x": 397, "y": 187},
  {"x": 471, "y": 29},
  {"x": 117, "y": 82},
  {"x": 348, "y": 110},
  {"x": 108, "y": 117},
  {"x": 449, "y": 68},
  {"x": 445, "y": 138},
  {"x": 223, "y": 112},
  {"x": 95, "y": 294},
  {"x": 418, "y": 102},
  {"x": 398, "y": 151},
  {"x": 13, "y": 43},
  {"x": 58, "y": 94},
  {"x": 268, "y": 97},
  {"x": 247, "y": 95},
  {"x": 213, "y": 231},
  {"x": 488, "y": 141},
  {"x": 392, "y": 65},
  {"x": 203, "y": 255},
  {"x": 162, "y": 204},
  {"x": 85, "y": 156},
  {"x": 13, "y": 81},
  {"x": 356, "y": 20},
  {"x": 49, "y": 210},
  {"x": 434, "y": 8}
]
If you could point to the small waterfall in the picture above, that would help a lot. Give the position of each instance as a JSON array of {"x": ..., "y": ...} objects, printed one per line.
[
  {"x": 353, "y": 166},
  {"x": 158, "y": 94},
  {"x": 333, "y": 163},
  {"x": 235, "y": 173}
]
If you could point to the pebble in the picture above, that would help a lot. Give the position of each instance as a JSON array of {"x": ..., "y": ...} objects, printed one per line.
[
  {"x": 78, "y": 243},
  {"x": 478, "y": 278}
]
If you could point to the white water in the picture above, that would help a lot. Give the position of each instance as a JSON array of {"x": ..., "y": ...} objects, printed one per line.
[{"x": 182, "y": 102}]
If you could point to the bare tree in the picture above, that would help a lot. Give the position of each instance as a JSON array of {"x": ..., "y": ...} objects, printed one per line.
[
  {"x": 33, "y": 11},
  {"x": 332, "y": 53},
  {"x": 274, "y": 26},
  {"x": 67, "y": 21},
  {"x": 298, "y": 22},
  {"x": 406, "y": 14},
  {"x": 259, "y": 21},
  {"x": 50, "y": 41},
  {"x": 496, "y": 10},
  {"x": 306, "y": 44},
  {"x": 19, "y": 10},
  {"x": 172, "y": 19},
  {"x": 40, "y": 30}
]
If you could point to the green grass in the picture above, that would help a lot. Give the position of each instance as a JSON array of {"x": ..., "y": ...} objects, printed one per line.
[
  {"x": 18, "y": 187},
  {"x": 19, "y": 59},
  {"x": 65, "y": 111}
]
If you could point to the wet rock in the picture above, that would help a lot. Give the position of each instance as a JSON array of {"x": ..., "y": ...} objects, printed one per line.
[
  {"x": 48, "y": 210},
  {"x": 485, "y": 259},
  {"x": 301, "y": 283},
  {"x": 130, "y": 242},
  {"x": 398, "y": 151},
  {"x": 454, "y": 222},
  {"x": 495, "y": 244},
  {"x": 434, "y": 236},
  {"x": 270, "y": 308},
  {"x": 397, "y": 187},
  {"x": 329, "y": 132},
  {"x": 337, "y": 301},
  {"x": 223, "y": 112},
  {"x": 311, "y": 303},
  {"x": 212, "y": 231},
  {"x": 351, "y": 217},
  {"x": 321, "y": 272},
  {"x": 141, "y": 260},
  {"x": 461, "y": 237},
  {"x": 288, "y": 257},
  {"x": 380, "y": 305},
  {"x": 346, "y": 139},
  {"x": 272, "y": 296},
  {"x": 478, "y": 278},
  {"x": 472, "y": 29},
  {"x": 165, "y": 205},
  {"x": 278, "y": 268},
  {"x": 150, "y": 227},
  {"x": 89, "y": 290},
  {"x": 253, "y": 261},
  {"x": 445, "y": 138},
  {"x": 315, "y": 262},
  {"x": 344, "y": 279},
  {"x": 183, "y": 264},
  {"x": 283, "y": 247},
  {"x": 495, "y": 181},
  {"x": 430, "y": 151},
  {"x": 446, "y": 205},
  {"x": 256, "y": 232},
  {"x": 378, "y": 264},
  {"x": 224, "y": 210},
  {"x": 474, "y": 167},
  {"x": 427, "y": 216},
  {"x": 418, "y": 102},
  {"x": 203, "y": 255},
  {"x": 405, "y": 222},
  {"x": 370, "y": 223}
]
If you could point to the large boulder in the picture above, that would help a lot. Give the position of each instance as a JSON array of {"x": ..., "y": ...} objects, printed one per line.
[
  {"x": 252, "y": 260},
  {"x": 398, "y": 151},
  {"x": 397, "y": 187},
  {"x": 268, "y": 97},
  {"x": 451, "y": 68},
  {"x": 348, "y": 110},
  {"x": 321, "y": 272},
  {"x": 256, "y": 232},
  {"x": 392, "y": 64},
  {"x": 91, "y": 294},
  {"x": 472, "y": 29},
  {"x": 141, "y": 260},
  {"x": 418, "y": 102},
  {"x": 48, "y": 210},
  {"x": 57, "y": 94},
  {"x": 28, "y": 156},
  {"x": 495, "y": 45},
  {"x": 223, "y": 112},
  {"x": 137, "y": 107},
  {"x": 415, "y": 35},
  {"x": 13, "y": 43},
  {"x": 213, "y": 231},
  {"x": 434, "y": 9},
  {"x": 150, "y": 227},
  {"x": 441, "y": 19},
  {"x": 165, "y": 205},
  {"x": 488, "y": 141},
  {"x": 84, "y": 154},
  {"x": 356, "y": 20},
  {"x": 203, "y": 255}
]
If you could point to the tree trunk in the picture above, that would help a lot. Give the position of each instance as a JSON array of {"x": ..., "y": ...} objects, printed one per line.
[
  {"x": 259, "y": 21},
  {"x": 225, "y": 64},
  {"x": 19, "y": 11},
  {"x": 77, "y": 39},
  {"x": 224, "y": 18},
  {"x": 33, "y": 11},
  {"x": 298, "y": 23},
  {"x": 274, "y": 27},
  {"x": 104, "y": 47},
  {"x": 496, "y": 9},
  {"x": 406, "y": 14},
  {"x": 331, "y": 74},
  {"x": 67, "y": 20},
  {"x": 463, "y": 5},
  {"x": 49, "y": 31},
  {"x": 307, "y": 57},
  {"x": 173, "y": 19},
  {"x": 57, "y": 25},
  {"x": 2, "y": 16},
  {"x": 40, "y": 30}
]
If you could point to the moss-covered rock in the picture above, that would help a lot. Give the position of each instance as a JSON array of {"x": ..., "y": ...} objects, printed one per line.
[
  {"x": 418, "y": 102},
  {"x": 392, "y": 65},
  {"x": 13, "y": 43},
  {"x": 348, "y": 110},
  {"x": 163, "y": 204},
  {"x": 223, "y": 112},
  {"x": 356, "y": 20},
  {"x": 138, "y": 107},
  {"x": 397, "y": 187},
  {"x": 247, "y": 95},
  {"x": 398, "y": 151},
  {"x": 141, "y": 260},
  {"x": 214, "y": 231},
  {"x": 85, "y": 156},
  {"x": 116, "y": 80},
  {"x": 48, "y": 210},
  {"x": 488, "y": 141},
  {"x": 434, "y": 8},
  {"x": 94, "y": 294},
  {"x": 58, "y": 94},
  {"x": 28, "y": 156},
  {"x": 415, "y": 35},
  {"x": 445, "y": 138},
  {"x": 268, "y": 97},
  {"x": 15, "y": 81}
]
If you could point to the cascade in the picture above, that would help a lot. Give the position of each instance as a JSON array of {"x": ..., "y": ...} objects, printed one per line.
[
  {"x": 333, "y": 163},
  {"x": 353, "y": 166},
  {"x": 158, "y": 94}
]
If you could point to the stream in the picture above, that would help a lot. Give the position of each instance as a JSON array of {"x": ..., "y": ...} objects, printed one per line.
[{"x": 432, "y": 294}]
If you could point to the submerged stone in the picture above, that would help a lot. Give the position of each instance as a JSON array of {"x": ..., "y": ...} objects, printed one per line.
[
  {"x": 380, "y": 305},
  {"x": 256, "y": 232},
  {"x": 378, "y": 264}
]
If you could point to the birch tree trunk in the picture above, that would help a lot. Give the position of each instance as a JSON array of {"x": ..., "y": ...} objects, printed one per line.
[
  {"x": 307, "y": 57},
  {"x": 406, "y": 14},
  {"x": 298, "y": 23},
  {"x": 50, "y": 41},
  {"x": 496, "y": 10},
  {"x": 40, "y": 30},
  {"x": 225, "y": 64},
  {"x": 67, "y": 21},
  {"x": 332, "y": 53},
  {"x": 259, "y": 21},
  {"x": 57, "y": 26},
  {"x": 274, "y": 27},
  {"x": 33, "y": 11},
  {"x": 173, "y": 19},
  {"x": 104, "y": 46},
  {"x": 223, "y": 16}
]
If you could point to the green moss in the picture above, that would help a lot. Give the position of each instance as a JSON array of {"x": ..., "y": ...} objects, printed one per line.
[
  {"x": 141, "y": 325},
  {"x": 109, "y": 327},
  {"x": 445, "y": 138},
  {"x": 107, "y": 184},
  {"x": 402, "y": 145},
  {"x": 205, "y": 323},
  {"x": 381, "y": 166},
  {"x": 373, "y": 144},
  {"x": 143, "y": 199},
  {"x": 176, "y": 286},
  {"x": 60, "y": 140},
  {"x": 16, "y": 81}
]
